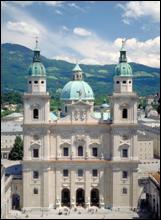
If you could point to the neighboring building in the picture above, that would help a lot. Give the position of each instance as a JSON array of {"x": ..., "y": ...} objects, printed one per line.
[
  {"x": 78, "y": 158},
  {"x": 153, "y": 193},
  {"x": 151, "y": 128},
  {"x": 10, "y": 107},
  {"x": 145, "y": 147},
  {"x": 11, "y": 187},
  {"x": 15, "y": 116},
  {"x": 3, "y": 207},
  {"x": 11, "y": 126}
]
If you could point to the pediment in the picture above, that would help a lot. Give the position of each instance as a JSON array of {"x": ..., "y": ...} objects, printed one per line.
[{"x": 80, "y": 102}]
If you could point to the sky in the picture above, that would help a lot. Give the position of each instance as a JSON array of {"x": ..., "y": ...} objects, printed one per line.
[{"x": 89, "y": 32}]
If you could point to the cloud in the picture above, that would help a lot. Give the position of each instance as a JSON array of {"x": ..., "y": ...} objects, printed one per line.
[
  {"x": 137, "y": 9},
  {"x": 68, "y": 58},
  {"x": 52, "y": 3},
  {"x": 65, "y": 28},
  {"x": 49, "y": 3},
  {"x": 23, "y": 27},
  {"x": 23, "y": 3},
  {"x": 58, "y": 12},
  {"x": 74, "y": 5},
  {"x": 81, "y": 32},
  {"x": 67, "y": 44}
]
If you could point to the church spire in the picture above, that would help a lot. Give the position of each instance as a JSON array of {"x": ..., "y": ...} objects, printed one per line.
[
  {"x": 77, "y": 72},
  {"x": 36, "y": 57},
  {"x": 123, "y": 53}
]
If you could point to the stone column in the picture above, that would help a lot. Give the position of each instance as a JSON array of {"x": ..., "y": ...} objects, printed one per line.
[
  {"x": 72, "y": 189},
  {"x": 87, "y": 188},
  {"x": 101, "y": 191},
  {"x": 46, "y": 189},
  {"x": 58, "y": 188}
]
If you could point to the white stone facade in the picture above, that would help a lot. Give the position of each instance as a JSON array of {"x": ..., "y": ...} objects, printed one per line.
[{"x": 78, "y": 159}]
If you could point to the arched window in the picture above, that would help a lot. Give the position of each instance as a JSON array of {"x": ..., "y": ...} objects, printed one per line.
[
  {"x": 35, "y": 113},
  {"x": 124, "y": 113},
  {"x": 80, "y": 151}
]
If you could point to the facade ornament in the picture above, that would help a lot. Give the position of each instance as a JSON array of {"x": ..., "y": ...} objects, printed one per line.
[
  {"x": 76, "y": 115},
  {"x": 102, "y": 157}
]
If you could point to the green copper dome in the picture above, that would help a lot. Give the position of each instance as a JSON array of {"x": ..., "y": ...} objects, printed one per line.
[
  {"x": 37, "y": 69},
  {"x": 123, "y": 69},
  {"x": 76, "y": 90}
]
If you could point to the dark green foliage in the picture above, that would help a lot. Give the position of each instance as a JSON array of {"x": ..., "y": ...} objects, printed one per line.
[
  {"x": 17, "y": 150},
  {"x": 6, "y": 112},
  {"x": 11, "y": 97},
  {"x": 16, "y": 60}
]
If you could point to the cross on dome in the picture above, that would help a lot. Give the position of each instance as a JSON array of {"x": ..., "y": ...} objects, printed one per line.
[{"x": 36, "y": 41}]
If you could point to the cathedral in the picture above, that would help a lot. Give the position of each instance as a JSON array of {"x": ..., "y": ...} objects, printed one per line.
[{"x": 80, "y": 157}]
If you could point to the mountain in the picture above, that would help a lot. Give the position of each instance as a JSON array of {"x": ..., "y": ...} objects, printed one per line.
[{"x": 15, "y": 60}]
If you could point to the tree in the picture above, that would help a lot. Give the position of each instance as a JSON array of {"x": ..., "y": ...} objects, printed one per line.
[{"x": 17, "y": 151}]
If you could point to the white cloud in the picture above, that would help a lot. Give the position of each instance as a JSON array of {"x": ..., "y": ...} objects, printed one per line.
[
  {"x": 81, "y": 32},
  {"x": 23, "y": 28},
  {"x": 26, "y": 3},
  {"x": 3, "y": 4},
  {"x": 52, "y": 3},
  {"x": 69, "y": 46},
  {"x": 23, "y": 3},
  {"x": 136, "y": 9},
  {"x": 67, "y": 58},
  {"x": 58, "y": 12},
  {"x": 74, "y": 5},
  {"x": 65, "y": 28}
]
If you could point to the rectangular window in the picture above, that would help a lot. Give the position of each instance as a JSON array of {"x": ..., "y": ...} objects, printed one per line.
[
  {"x": 65, "y": 172},
  {"x": 35, "y": 153},
  {"x": 124, "y": 190},
  {"x": 94, "y": 151},
  {"x": 124, "y": 82},
  {"x": 124, "y": 153},
  {"x": 80, "y": 172},
  {"x": 124, "y": 113},
  {"x": 35, "y": 174},
  {"x": 94, "y": 172},
  {"x": 35, "y": 191},
  {"x": 66, "y": 151},
  {"x": 124, "y": 174}
]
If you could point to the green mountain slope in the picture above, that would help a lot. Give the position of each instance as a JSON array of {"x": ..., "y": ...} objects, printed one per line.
[{"x": 15, "y": 60}]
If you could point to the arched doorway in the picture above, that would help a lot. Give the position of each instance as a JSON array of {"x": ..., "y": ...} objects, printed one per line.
[
  {"x": 80, "y": 197},
  {"x": 65, "y": 197},
  {"x": 15, "y": 202},
  {"x": 95, "y": 197}
]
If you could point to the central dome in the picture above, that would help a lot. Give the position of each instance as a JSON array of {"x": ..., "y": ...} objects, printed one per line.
[{"x": 76, "y": 90}]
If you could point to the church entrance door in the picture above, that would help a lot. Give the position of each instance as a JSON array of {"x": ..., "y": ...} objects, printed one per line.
[
  {"x": 94, "y": 197},
  {"x": 65, "y": 200},
  {"x": 80, "y": 197},
  {"x": 15, "y": 202}
]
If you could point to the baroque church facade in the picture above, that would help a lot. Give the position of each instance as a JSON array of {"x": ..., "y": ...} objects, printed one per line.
[{"x": 77, "y": 158}]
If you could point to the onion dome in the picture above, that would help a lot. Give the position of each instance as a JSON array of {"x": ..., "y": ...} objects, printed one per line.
[
  {"x": 37, "y": 68},
  {"x": 123, "y": 68}
]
